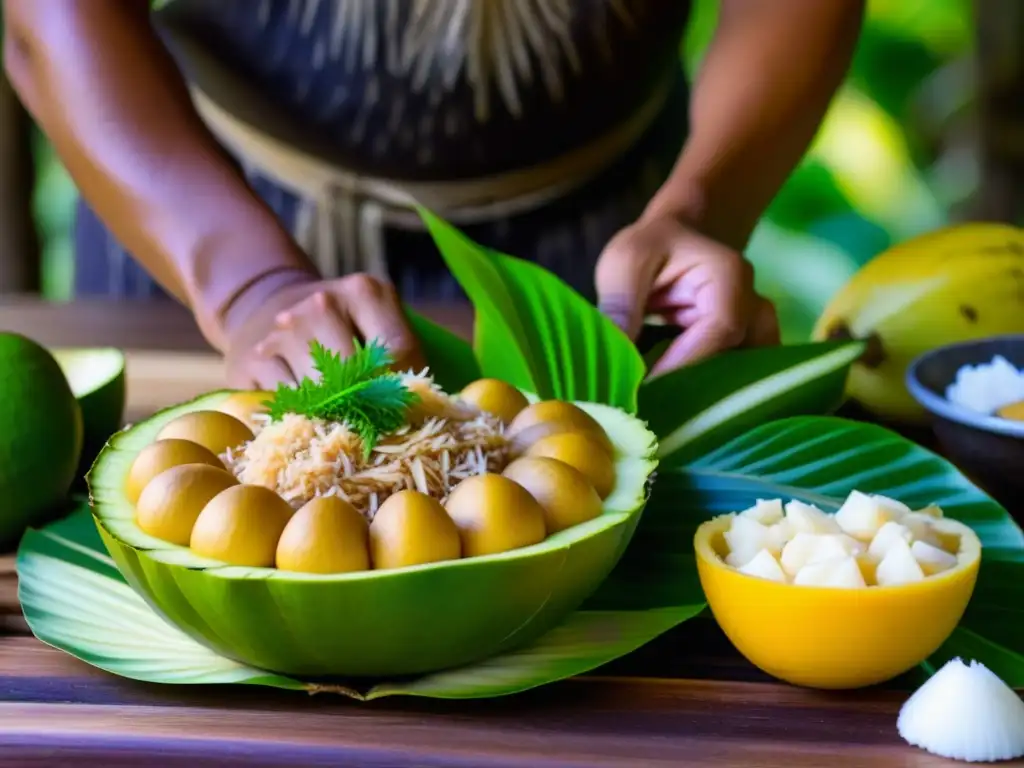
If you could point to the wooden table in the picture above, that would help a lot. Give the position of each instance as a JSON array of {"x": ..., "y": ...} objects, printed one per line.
[{"x": 686, "y": 699}]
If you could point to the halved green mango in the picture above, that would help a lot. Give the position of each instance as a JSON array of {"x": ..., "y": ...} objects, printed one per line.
[
  {"x": 97, "y": 379},
  {"x": 377, "y": 623}
]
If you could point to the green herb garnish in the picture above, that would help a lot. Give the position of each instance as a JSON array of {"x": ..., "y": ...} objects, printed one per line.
[{"x": 360, "y": 391}]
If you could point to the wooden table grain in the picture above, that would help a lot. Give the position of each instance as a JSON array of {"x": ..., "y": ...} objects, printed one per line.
[{"x": 686, "y": 699}]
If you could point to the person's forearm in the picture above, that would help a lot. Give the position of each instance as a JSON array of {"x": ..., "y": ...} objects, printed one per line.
[
  {"x": 761, "y": 93},
  {"x": 106, "y": 93}
]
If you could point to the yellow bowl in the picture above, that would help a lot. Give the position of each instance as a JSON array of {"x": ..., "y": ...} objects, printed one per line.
[{"x": 829, "y": 637}]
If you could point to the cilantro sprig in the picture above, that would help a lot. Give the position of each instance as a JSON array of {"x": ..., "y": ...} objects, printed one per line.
[{"x": 360, "y": 390}]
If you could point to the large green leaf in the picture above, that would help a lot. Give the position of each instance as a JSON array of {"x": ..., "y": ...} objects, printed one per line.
[
  {"x": 75, "y": 599},
  {"x": 534, "y": 331},
  {"x": 820, "y": 460},
  {"x": 694, "y": 409},
  {"x": 452, "y": 362}
]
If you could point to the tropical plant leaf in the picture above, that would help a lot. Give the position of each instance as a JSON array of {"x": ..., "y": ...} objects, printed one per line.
[
  {"x": 535, "y": 332},
  {"x": 700, "y": 407},
  {"x": 820, "y": 460},
  {"x": 992, "y": 630},
  {"x": 583, "y": 642},
  {"x": 75, "y": 599},
  {"x": 450, "y": 357}
]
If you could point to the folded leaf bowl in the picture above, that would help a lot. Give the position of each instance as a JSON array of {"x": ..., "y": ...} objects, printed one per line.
[{"x": 404, "y": 621}]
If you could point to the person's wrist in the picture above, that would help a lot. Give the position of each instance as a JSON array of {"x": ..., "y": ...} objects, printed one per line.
[
  {"x": 220, "y": 312},
  {"x": 684, "y": 200},
  {"x": 260, "y": 293}
]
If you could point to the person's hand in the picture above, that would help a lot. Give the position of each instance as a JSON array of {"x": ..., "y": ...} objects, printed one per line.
[
  {"x": 270, "y": 344},
  {"x": 661, "y": 267}
]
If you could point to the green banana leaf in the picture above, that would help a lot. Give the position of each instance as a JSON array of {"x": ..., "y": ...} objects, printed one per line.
[
  {"x": 75, "y": 599},
  {"x": 451, "y": 360},
  {"x": 721, "y": 452},
  {"x": 690, "y": 412},
  {"x": 536, "y": 333}
]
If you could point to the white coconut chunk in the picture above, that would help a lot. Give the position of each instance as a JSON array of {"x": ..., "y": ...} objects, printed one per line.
[
  {"x": 921, "y": 526},
  {"x": 834, "y": 572},
  {"x": 862, "y": 516},
  {"x": 895, "y": 507},
  {"x": 987, "y": 387},
  {"x": 745, "y": 538},
  {"x": 807, "y": 518},
  {"x": 765, "y": 511},
  {"x": 779, "y": 535},
  {"x": 898, "y": 566},
  {"x": 806, "y": 548},
  {"x": 765, "y": 566},
  {"x": 964, "y": 713},
  {"x": 738, "y": 559},
  {"x": 886, "y": 537},
  {"x": 932, "y": 559},
  {"x": 932, "y": 510}
]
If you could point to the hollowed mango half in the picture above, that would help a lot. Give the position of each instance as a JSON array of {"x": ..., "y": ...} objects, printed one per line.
[{"x": 835, "y": 638}]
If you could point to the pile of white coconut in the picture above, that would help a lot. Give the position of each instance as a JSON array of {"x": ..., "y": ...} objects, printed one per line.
[{"x": 871, "y": 540}]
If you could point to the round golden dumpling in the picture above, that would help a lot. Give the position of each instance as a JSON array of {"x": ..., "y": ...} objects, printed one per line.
[
  {"x": 241, "y": 526},
  {"x": 582, "y": 451},
  {"x": 243, "y": 405},
  {"x": 551, "y": 417},
  {"x": 563, "y": 492},
  {"x": 495, "y": 397},
  {"x": 160, "y": 456},
  {"x": 495, "y": 514},
  {"x": 172, "y": 501},
  {"x": 327, "y": 535},
  {"x": 213, "y": 430},
  {"x": 411, "y": 528}
]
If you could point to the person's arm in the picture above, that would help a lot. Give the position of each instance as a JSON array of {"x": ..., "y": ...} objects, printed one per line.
[
  {"x": 763, "y": 88},
  {"x": 102, "y": 87},
  {"x": 759, "y": 97}
]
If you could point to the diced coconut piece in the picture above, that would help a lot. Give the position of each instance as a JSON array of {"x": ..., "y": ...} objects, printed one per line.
[
  {"x": 987, "y": 387},
  {"x": 898, "y": 566},
  {"x": 806, "y": 548},
  {"x": 807, "y": 518},
  {"x": 738, "y": 559},
  {"x": 887, "y": 535},
  {"x": 932, "y": 510},
  {"x": 834, "y": 572},
  {"x": 867, "y": 568},
  {"x": 745, "y": 538},
  {"x": 765, "y": 511},
  {"x": 765, "y": 566},
  {"x": 862, "y": 516},
  {"x": 896, "y": 507},
  {"x": 920, "y": 526},
  {"x": 778, "y": 535},
  {"x": 932, "y": 559},
  {"x": 964, "y": 713}
]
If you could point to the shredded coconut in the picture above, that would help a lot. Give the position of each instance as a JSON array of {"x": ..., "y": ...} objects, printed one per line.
[{"x": 444, "y": 442}]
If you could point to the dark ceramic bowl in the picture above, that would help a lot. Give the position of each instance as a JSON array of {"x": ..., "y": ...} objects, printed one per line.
[{"x": 988, "y": 448}]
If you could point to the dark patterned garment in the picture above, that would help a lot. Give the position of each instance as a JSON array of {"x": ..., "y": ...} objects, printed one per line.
[{"x": 436, "y": 91}]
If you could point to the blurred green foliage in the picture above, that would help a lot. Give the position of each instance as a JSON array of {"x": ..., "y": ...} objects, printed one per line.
[{"x": 876, "y": 173}]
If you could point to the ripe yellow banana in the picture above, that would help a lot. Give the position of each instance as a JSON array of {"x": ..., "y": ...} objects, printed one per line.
[{"x": 954, "y": 284}]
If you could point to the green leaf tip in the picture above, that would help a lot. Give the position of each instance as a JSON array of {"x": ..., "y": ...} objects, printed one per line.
[{"x": 360, "y": 391}]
